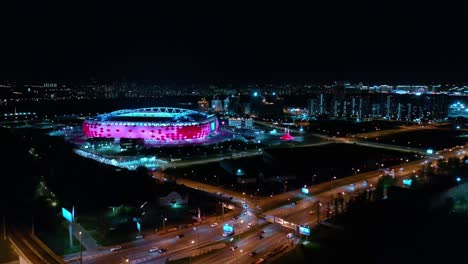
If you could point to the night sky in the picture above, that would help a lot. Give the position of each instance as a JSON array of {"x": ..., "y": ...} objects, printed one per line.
[{"x": 235, "y": 40}]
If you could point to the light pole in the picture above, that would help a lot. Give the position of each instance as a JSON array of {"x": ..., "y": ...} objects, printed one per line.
[
  {"x": 198, "y": 237},
  {"x": 81, "y": 249},
  {"x": 331, "y": 182},
  {"x": 164, "y": 223},
  {"x": 191, "y": 252},
  {"x": 239, "y": 254},
  {"x": 222, "y": 210}
]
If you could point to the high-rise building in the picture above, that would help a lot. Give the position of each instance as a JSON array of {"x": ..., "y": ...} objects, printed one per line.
[
  {"x": 311, "y": 106},
  {"x": 216, "y": 105}
]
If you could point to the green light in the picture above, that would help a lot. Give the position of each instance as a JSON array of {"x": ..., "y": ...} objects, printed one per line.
[{"x": 176, "y": 205}]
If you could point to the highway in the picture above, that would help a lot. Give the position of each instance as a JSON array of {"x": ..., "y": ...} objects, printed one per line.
[
  {"x": 324, "y": 192},
  {"x": 212, "y": 158},
  {"x": 138, "y": 251},
  {"x": 274, "y": 235},
  {"x": 31, "y": 248}
]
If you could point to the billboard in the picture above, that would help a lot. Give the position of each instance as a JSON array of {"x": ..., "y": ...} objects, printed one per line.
[
  {"x": 138, "y": 225},
  {"x": 67, "y": 215},
  {"x": 304, "y": 230},
  {"x": 228, "y": 228},
  {"x": 407, "y": 182},
  {"x": 305, "y": 190}
]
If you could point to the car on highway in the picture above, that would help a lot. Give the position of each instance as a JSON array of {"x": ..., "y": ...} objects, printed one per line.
[
  {"x": 235, "y": 218},
  {"x": 115, "y": 248},
  {"x": 226, "y": 234},
  {"x": 162, "y": 250},
  {"x": 153, "y": 249},
  {"x": 180, "y": 236},
  {"x": 250, "y": 225},
  {"x": 253, "y": 253},
  {"x": 260, "y": 237},
  {"x": 233, "y": 247},
  {"x": 213, "y": 225},
  {"x": 262, "y": 232},
  {"x": 290, "y": 235},
  {"x": 260, "y": 260}
]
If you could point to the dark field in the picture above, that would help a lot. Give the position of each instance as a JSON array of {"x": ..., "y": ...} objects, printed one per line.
[
  {"x": 348, "y": 128},
  {"x": 423, "y": 139},
  {"x": 297, "y": 166}
]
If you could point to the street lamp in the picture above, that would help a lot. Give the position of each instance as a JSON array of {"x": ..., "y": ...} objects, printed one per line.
[
  {"x": 240, "y": 252},
  {"x": 331, "y": 182},
  {"x": 164, "y": 223},
  {"x": 192, "y": 242},
  {"x": 198, "y": 236},
  {"x": 81, "y": 249}
]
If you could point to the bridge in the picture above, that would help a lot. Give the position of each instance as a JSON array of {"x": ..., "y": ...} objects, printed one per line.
[{"x": 31, "y": 250}]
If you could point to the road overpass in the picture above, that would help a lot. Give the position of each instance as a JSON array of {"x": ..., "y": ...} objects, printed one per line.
[{"x": 30, "y": 249}]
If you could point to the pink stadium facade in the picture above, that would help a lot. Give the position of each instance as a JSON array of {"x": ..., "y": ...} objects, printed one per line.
[{"x": 163, "y": 125}]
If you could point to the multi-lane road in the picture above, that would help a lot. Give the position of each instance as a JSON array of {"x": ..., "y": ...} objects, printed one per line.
[{"x": 197, "y": 238}]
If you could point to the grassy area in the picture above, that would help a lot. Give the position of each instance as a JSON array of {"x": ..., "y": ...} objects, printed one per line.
[
  {"x": 317, "y": 248},
  {"x": 112, "y": 237},
  {"x": 188, "y": 260},
  {"x": 59, "y": 241}
]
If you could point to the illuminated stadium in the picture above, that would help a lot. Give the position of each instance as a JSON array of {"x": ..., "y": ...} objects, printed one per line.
[{"x": 159, "y": 125}]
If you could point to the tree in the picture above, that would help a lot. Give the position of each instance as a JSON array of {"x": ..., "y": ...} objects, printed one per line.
[
  {"x": 453, "y": 163},
  {"x": 383, "y": 184},
  {"x": 442, "y": 165},
  {"x": 415, "y": 182},
  {"x": 317, "y": 210},
  {"x": 449, "y": 203},
  {"x": 463, "y": 203}
]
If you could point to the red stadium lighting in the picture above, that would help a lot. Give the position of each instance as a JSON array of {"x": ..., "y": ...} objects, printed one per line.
[
  {"x": 286, "y": 135},
  {"x": 164, "y": 125}
]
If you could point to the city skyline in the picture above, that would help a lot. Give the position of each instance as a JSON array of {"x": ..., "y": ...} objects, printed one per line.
[{"x": 221, "y": 132}]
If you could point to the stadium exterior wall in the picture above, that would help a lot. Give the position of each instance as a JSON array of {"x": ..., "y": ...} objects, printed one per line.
[{"x": 152, "y": 132}]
